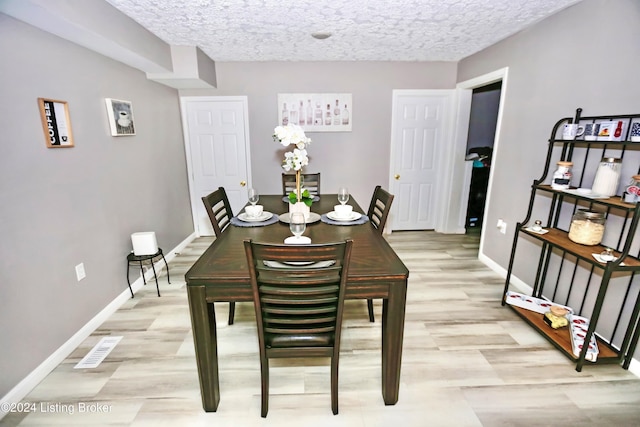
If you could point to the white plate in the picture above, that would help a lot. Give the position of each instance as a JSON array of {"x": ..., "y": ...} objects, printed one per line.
[
  {"x": 309, "y": 264},
  {"x": 354, "y": 216},
  {"x": 585, "y": 192},
  {"x": 293, "y": 240},
  {"x": 246, "y": 218},
  {"x": 286, "y": 217}
]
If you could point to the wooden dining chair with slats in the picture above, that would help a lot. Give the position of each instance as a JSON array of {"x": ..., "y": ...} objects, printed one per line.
[
  {"x": 310, "y": 181},
  {"x": 298, "y": 295},
  {"x": 378, "y": 213},
  {"x": 220, "y": 214}
]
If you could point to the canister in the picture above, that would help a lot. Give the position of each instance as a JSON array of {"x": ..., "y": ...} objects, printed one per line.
[
  {"x": 632, "y": 192},
  {"x": 587, "y": 227},
  {"x": 607, "y": 177},
  {"x": 562, "y": 176}
]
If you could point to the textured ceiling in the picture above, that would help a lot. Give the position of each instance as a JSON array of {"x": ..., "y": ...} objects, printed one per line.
[{"x": 362, "y": 30}]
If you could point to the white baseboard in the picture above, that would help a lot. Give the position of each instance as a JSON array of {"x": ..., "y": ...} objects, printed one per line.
[
  {"x": 634, "y": 366},
  {"x": 24, "y": 387}
]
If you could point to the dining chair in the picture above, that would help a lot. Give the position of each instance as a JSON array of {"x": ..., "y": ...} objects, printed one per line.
[
  {"x": 310, "y": 181},
  {"x": 220, "y": 214},
  {"x": 298, "y": 295},
  {"x": 378, "y": 213}
]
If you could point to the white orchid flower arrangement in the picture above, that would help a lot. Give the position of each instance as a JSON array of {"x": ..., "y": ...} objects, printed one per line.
[{"x": 295, "y": 159}]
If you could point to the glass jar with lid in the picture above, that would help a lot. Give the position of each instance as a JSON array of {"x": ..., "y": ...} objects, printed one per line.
[
  {"x": 587, "y": 227},
  {"x": 632, "y": 192},
  {"x": 607, "y": 177},
  {"x": 562, "y": 176}
]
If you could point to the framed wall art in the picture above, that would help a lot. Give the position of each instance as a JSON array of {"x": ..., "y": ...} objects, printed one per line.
[
  {"x": 56, "y": 123},
  {"x": 316, "y": 112},
  {"x": 120, "y": 117}
]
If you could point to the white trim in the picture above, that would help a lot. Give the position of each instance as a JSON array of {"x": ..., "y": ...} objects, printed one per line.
[
  {"x": 28, "y": 383},
  {"x": 193, "y": 197}
]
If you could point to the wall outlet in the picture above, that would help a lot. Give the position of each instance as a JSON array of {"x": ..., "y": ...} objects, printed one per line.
[
  {"x": 80, "y": 273},
  {"x": 502, "y": 226}
]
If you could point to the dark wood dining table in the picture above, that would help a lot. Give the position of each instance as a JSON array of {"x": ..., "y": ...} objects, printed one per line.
[{"x": 221, "y": 274}]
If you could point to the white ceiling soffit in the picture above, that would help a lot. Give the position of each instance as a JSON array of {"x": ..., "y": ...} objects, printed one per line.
[
  {"x": 98, "y": 26},
  {"x": 361, "y": 30}
]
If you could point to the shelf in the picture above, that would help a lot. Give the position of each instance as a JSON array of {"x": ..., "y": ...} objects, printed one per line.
[
  {"x": 560, "y": 239},
  {"x": 554, "y": 244},
  {"x": 615, "y": 201},
  {"x": 561, "y": 338}
]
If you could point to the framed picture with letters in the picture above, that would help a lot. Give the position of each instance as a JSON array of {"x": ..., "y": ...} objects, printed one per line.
[{"x": 56, "y": 123}]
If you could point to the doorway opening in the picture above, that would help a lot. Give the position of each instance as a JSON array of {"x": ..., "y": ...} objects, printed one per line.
[{"x": 485, "y": 104}]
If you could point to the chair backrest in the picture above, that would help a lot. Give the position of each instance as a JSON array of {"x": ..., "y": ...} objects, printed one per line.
[
  {"x": 379, "y": 208},
  {"x": 298, "y": 294},
  {"x": 310, "y": 181},
  {"x": 218, "y": 209}
]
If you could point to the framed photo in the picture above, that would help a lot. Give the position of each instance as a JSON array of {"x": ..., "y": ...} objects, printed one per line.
[
  {"x": 316, "y": 112},
  {"x": 56, "y": 123},
  {"x": 120, "y": 117}
]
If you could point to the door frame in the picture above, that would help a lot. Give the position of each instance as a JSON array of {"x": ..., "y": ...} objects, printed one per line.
[
  {"x": 184, "y": 100},
  {"x": 442, "y": 199},
  {"x": 468, "y": 85}
]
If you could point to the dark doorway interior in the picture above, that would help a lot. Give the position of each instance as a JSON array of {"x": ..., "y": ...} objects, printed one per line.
[{"x": 485, "y": 102}]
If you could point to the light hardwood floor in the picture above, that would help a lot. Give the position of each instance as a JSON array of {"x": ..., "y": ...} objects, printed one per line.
[{"x": 467, "y": 361}]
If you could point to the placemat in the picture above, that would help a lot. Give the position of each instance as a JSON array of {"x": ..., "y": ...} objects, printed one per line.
[
  {"x": 324, "y": 218},
  {"x": 239, "y": 223}
]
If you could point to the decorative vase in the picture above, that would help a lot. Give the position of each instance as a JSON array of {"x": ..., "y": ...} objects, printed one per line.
[{"x": 300, "y": 207}]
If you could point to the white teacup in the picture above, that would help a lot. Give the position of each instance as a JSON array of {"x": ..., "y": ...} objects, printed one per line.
[
  {"x": 253, "y": 211},
  {"x": 343, "y": 211},
  {"x": 571, "y": 130}
]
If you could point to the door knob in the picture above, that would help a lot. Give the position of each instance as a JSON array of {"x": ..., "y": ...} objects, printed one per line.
[
  {"x": 243, "y": 183},
  {"x": 396, "y": 176}
]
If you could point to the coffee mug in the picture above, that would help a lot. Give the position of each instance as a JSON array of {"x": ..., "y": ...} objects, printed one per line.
[
  {"x": 253, "y": 211},
  {"x": 571, "y": 130},
  {"x": 591, "y": 131},
  {"x": 635, "y": 132},
  {"x": 343, "y": 211}
]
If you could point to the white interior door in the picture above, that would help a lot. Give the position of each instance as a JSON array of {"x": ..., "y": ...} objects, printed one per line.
[
  {"x": 217, "y": 144},
  {"x": 420, "y": 129}
]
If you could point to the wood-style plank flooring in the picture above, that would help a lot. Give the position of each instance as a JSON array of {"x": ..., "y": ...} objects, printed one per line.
[{"x": 467, "y": 361}]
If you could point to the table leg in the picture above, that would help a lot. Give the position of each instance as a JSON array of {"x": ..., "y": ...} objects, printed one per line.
[
  {"x": 203, "y": 323},
  {"x": 393, "y": 310}
]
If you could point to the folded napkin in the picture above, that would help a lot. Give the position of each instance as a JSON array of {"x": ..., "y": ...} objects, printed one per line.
[
  {"x": 240, "y": 223},
  {"x": 324, "y": 218}
]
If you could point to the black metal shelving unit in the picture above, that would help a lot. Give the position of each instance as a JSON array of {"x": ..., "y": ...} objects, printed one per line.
[{"x": 558, "y": 278}]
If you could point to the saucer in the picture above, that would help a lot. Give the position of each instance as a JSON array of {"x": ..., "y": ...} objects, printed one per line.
[
  {"x": 598, "y": 258},
  {"x": 354, "y": 216},
  {"x": 541, "y": 231},
  {"x": 246, "y": 218},
  {"x": 286, "y": 217},
  {"x": 293, "y": 240}
]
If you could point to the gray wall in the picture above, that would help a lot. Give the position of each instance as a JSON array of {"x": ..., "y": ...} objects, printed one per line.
[
  {"x": 60, "y": 207},
  {"x": 586, "y": 56},
  {"x": 359, "y": 158}
]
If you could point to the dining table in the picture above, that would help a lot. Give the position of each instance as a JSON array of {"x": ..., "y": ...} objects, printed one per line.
[{"x": 221, "y": 274}]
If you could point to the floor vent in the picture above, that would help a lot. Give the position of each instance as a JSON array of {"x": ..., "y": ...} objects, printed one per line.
[{"x": 94, "y": 358}]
